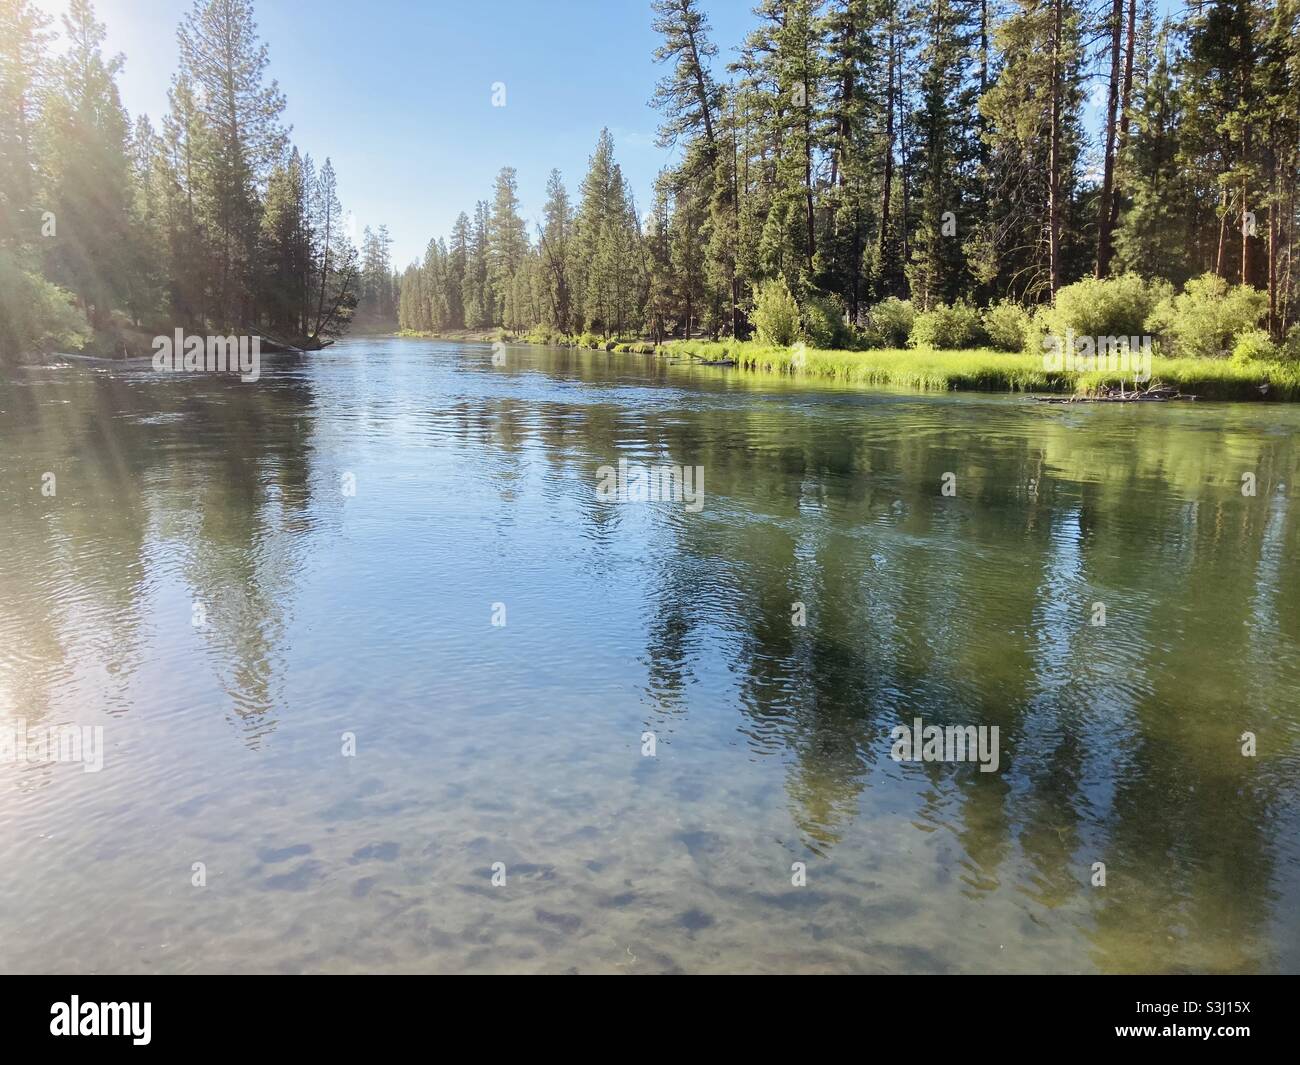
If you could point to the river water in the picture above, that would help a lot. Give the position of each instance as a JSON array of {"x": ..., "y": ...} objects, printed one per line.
[{"x": 384, "y": 683}]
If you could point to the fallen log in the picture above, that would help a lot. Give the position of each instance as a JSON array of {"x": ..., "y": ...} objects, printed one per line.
[{"x": 1157, "y": 394}]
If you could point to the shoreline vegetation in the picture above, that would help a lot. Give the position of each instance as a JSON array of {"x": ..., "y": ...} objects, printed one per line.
[
  {"x": 882, "y": 195},
  {"x": 931, "y": 370}
]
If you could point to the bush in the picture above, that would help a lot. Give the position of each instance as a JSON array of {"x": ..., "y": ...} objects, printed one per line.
[
  {"x": 947, "y": 328},
  {"x": 1290, "y": 347},
  {"x": 545, "y": 334},
  {"x": 36, "y": 316},
  {"x": 776, "y": 315},
  {"x": 1206, "y": 319},
  {"x": 1112, "y": 306},
  {"x": 823, "y": 323},
  {"x": 1008, "y": 326},
  {"x": 1255, "y": 345},
  {"x": 889, "y": 323}
]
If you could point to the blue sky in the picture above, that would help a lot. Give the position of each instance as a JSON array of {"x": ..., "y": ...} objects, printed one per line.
[{"x": 398, "y": 93}]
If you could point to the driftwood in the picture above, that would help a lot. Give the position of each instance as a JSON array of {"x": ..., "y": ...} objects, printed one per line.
[
  {"x": 135, "y": 360},
  {"x": 1110, "y": 394}
]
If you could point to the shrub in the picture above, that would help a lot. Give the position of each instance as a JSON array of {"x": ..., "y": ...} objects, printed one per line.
[
  {"x": 1037, "y": 330},
  {"x": 823, "y": 322},
  {"x": 776, "y": 315},
  {"x": 1289, "y": 350},
  {"x": 1008, "y": 326},
  {"x": 36, "y": 316},
  {"x": 889, "y": 323},
  {"x": 1206, "y": 319},
  {"x": 545, "y": 334},
  {"x": 947, "y": 327},
  {"x": 1112, "y": 306},
  {"x": 1255, "y": 345}
]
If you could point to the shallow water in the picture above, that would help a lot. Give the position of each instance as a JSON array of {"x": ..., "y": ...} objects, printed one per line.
[{"x": 326, "y": 613}]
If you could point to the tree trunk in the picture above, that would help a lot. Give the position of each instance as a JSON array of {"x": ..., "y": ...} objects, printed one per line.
[
  {"x": 700, "y": 91},
  {"x": 1108, "y": 168},
  {"x": 1221, "y": 259},
  {"x": 887, "y": 180},
  {"x": 1245, "y": 207},
  {"x": 1126, "y": 97},
  {"x": 902, "y": 144},
  {"x": 1272, "y": 238},
  {"x": 1054, "y": 160},
  {"x": 846, "y": 102}
]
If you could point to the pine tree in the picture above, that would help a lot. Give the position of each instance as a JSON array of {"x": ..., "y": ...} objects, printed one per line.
[
  {"x": 1153, "y": 237},
  {"x": 146, "y": 277},
  {"x": 945, "y": 154},
  {"x": 1033, "y": 139},
  {"x": 592, "y": 283},
  {"x": 226, "y": 64},
  {"x": 286, "y": 253},
  {"x": 88, "y": 170},
  {"x": 687, "y": 96},
  {"x": 336, "y": 263},
  {"x": 554, "y": 242},
  {"x": 24, "y": 39},
  {"x": 457, "y": 263},
  {"x": 507, "y": 242}
]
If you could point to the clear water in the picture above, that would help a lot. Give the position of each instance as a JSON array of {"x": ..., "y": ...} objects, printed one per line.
[{"x": 371, "y": 614}]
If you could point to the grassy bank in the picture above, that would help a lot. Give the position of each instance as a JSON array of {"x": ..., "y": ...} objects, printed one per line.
[
  {"x": 925, "y": 369},
  {"x": 987, "y": 370},
  {"x": 464, "y": 335}
]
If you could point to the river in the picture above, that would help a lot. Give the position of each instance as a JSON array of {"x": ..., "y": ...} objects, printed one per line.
[{"x": 385, "y": 682}]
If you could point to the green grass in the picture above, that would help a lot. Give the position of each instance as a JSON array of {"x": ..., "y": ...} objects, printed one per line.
[{"x": 987, "y": 370}]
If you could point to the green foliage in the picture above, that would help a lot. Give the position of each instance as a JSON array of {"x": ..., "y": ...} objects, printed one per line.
[
  {"x": 823, "y": 322},
  {"x": 1205, "y": 320},
  {"x": 988, "y": 370},
  {"x": 1289, "y": 350},
  {"x": 1255, "y": 345},
  {"x": 35, "y": 316},
  {"x": 776, "y": 315},
  {"x": 545, "y": 334},
  {"x": 1113, "y": 306},
  {"x": 947, "y": 327},
  {"x": 1008, "y": 326},
  {"x": 889, "y": 323}
]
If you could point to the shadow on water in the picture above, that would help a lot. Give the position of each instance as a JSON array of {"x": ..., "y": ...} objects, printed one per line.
[{"x": 205, "y": 483}]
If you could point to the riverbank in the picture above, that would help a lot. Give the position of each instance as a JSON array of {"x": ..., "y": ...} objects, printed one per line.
[
  {"x": 979, "y": 370},
  {"x": 466, "y": 336},
  {"x": 987, "y": 370}
]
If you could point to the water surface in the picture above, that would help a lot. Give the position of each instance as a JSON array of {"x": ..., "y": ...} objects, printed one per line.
[{"x": 329, "y": 612}]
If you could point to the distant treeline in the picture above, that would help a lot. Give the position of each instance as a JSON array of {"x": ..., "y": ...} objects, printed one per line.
[
  {"x": 211, "y": 222},
  {"x": 935, "y": 150}
]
